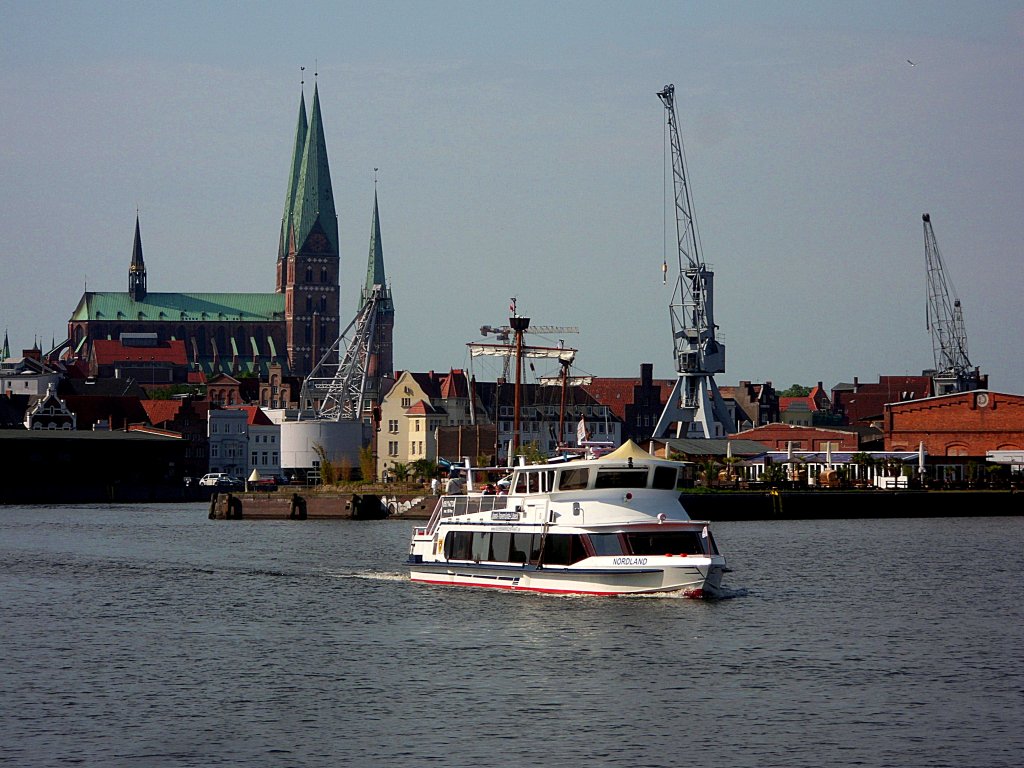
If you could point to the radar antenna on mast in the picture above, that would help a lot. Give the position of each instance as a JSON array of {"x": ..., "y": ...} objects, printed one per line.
[
  {"x": 695, "y": 408},
  {"x": 945, "y": 320}
]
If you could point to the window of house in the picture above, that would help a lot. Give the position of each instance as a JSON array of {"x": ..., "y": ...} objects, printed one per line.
[
  {"x": 254, "y": 455},
  {"x": 406, "y": 402}
]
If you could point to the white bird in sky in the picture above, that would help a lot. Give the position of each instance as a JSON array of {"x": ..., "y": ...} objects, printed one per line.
[{"x": 911, "y": 63}]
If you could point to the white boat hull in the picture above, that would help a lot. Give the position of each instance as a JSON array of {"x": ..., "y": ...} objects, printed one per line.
[{"x": 698, "y": 578}]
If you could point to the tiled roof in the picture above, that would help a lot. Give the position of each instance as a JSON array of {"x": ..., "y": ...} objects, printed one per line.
[
  {"x": 617, "y": 393},
  {"x": 422, "y": 408},
  {"x": 254, "y": 415},
  {"x": 161, "y": 411},
  {"x": 110, "y": 352}
]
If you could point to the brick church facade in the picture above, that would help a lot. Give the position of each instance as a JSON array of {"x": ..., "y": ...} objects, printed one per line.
[{"x": 248, "y": 334}]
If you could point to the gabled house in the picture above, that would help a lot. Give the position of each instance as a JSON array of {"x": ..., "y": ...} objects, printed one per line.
[
  {"x": 50, "y": 412},
  {"x": 864, "y": 404}
]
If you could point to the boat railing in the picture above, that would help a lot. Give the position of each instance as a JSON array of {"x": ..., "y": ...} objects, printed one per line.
[{"x": 452, "y": 506}]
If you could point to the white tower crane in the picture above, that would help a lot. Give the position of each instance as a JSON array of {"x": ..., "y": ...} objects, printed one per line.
[
  {"x": 945, "y": 320},
  {"x": 695, "y": 409}
]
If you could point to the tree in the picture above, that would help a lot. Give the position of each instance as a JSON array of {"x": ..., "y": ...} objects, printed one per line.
[
  {"x": 795, "y": 390},
  {"x": 327, "y": 476},
  {"x": 401, "y": 471},
  {"x": 423, "y": 468},
  {"x": 367, "y": 463}
]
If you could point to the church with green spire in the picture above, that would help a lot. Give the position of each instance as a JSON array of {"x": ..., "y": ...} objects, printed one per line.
[{"x": 244, "y": 334}]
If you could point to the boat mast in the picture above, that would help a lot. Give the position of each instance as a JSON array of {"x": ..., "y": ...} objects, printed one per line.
[{"x": 519, "y": 326}]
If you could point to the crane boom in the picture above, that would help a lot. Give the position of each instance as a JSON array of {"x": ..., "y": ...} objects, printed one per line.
[
  {"x": 695, "y": 408},
  {"x": 334, "y": 390},
  {"x": 945, "y": 320}
]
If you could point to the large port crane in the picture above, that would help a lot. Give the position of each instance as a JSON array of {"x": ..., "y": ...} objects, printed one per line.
[
  {"x": 335, "y": 387},
  {"x": 695, "y": 409},
  {"x": 945, "y": 320}
]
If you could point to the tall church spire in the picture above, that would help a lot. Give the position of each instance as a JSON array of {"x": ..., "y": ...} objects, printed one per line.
[
  {"x": 381, "y": 363},
  {"x": 375, "y": 265},
  {"x": 6, "y": 351},
  {"x": 308, "y": 267},
  {"x": 314, "y": 197},
  {"x": 293, "y": 182},
  {"x": 137, "y": 270}
]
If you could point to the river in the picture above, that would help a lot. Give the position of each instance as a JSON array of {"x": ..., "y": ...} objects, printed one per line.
[{"x": 151, "y": 636}]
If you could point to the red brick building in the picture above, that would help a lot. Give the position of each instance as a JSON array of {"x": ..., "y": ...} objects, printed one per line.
[
  {"x": 864, "y": 404},
  {"x": 960, "y": 424},
  {"x": 780, "y": 437}
]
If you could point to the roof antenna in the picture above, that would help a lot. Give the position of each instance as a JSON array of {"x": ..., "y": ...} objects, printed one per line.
[
  {"x": 375, "y": 178},
  {"x": 302, "y": 77}
]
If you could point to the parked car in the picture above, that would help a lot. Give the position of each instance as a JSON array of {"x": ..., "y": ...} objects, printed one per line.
[
  {"x": 229, "y": 483},
  {"x": 265, "y": 484},
  {"x": 212, "y": 479}
]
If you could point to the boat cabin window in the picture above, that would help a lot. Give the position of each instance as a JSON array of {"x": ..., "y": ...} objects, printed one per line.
[
  {"x": 665, "y": 478},
  {"x": 525, "y": 544},
  {"x": 573, "y": 479},
  {"x": 564, "y": 549},
  {"x": 500, "y": 543},
  {"x": 492, "y": 546},
  {"x": 481, "y": 546},
  {"x": 458, "y": 545},
  {"x": 621, "y": 478},
  {"x": 667, "y": 543},
  {"x": 534, "y": 482},
  {"x": 606, "y": 544}
]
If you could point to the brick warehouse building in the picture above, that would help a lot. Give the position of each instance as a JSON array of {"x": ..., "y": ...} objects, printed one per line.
[
  {"x": 243, "y": 333},
  {"x": 959, "y": 424}
]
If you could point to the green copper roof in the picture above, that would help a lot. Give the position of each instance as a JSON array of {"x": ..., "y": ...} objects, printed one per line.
[
  {"x": 181, "y": 307},
  {"x": 293, "y": 175},
  {"x": 314, "y": 198},
  {"x": 375, "y": 265}
]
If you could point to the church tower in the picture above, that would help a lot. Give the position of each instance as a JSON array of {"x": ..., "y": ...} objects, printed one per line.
[
  {"x": 381, "y": 363},
  {"x": 137, "y": 270},
  {"x": 308, "y": 267}
]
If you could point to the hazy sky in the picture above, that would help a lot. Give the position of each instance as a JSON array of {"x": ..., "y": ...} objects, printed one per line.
[{"x": 521, "y": 150}]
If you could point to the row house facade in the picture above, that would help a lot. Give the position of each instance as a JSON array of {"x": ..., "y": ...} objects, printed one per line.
[{"x": 413, "y": 410}]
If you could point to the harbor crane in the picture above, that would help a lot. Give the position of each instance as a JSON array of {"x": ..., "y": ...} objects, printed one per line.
[
  {"x": 945, "y": 320},
  {"x": 334, "y": 388},
  {"x": 695, "y": 408}
]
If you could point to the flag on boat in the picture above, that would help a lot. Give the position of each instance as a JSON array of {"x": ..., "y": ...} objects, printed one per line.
[
  {"x": 512, "y": 306},
  {"x": 581, "y": 431},
  {"x": 706, "y": 543}
]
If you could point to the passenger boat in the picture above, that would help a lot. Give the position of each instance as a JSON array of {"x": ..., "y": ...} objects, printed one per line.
[{"x": 607, "y": 526}]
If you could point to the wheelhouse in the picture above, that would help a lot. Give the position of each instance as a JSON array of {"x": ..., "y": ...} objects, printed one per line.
[{"x": 580, "y": 477}]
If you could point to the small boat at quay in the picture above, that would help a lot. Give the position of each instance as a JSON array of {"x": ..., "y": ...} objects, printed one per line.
[{"x": 612, "y": 525}]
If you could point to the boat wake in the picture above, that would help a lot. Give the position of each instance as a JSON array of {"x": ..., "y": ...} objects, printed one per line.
[
  {"x": 372, "y": 575},
  {"x": 722, "y": 593}
]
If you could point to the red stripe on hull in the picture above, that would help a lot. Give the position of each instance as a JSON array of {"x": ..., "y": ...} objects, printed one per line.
[{"x": 694, "y": 593}]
